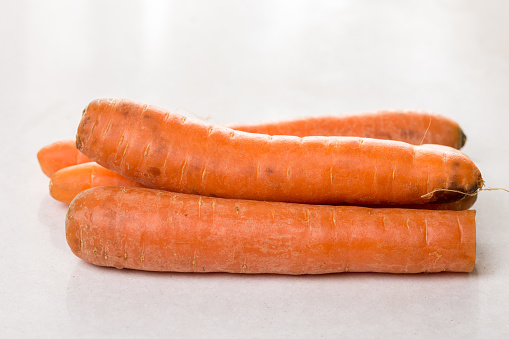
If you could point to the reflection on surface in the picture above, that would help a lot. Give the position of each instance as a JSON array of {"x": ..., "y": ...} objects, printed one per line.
[{"x": 111, "y": 301}]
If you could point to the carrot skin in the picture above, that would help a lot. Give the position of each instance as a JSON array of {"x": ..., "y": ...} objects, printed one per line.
[
  {"x": 146, "y": 229},
  {"x": 412, "y": 127},
  {"x": 58, "y": 155},
  {"x": 463, "y": 204},
  {"x": 167, "y": 151},
  {"x": 66, "y": 183}
]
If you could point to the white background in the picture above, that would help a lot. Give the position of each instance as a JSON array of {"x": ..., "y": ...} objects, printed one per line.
[{"x": 246, "y": 61}]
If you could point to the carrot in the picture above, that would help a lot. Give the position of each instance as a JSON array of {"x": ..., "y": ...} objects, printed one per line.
[
  {"x": 69, "y": 181},
  {"x": 66, "y": 183},
  {"x": 146, "y": 229},
  {"x": 412, "y": 127},
  {"x": 59, "y": 155},
  {"x": 167, "y": 151}
]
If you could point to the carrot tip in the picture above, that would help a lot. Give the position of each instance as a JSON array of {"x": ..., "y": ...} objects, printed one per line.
[{"x": 463, "y": 138}]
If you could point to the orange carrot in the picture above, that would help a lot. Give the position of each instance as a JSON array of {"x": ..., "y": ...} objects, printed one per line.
[
  {"x": 66, "y": 183},
  {"x": 146, "y": 229},
  {"x": 412, "y": 127},
  {"x": 59, "y": 155},
  {"x": 167, "y": 151}
]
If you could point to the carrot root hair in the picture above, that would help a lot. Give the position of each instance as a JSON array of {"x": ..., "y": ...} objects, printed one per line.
[{"x": 480, "y": 187}]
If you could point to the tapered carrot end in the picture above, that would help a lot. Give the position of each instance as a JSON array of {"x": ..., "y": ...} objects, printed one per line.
[
  {"x": 45, "y": 163},
  {"x": 66, "y": 183},
  {"x": 463, "y": 138},
  {"x": 58, "y": 155}
]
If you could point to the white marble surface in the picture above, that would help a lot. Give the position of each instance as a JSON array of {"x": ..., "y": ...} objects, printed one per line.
[{"x": 233, "y": 61}]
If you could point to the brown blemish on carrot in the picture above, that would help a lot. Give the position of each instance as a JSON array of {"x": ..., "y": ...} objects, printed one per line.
[
  {"x": 79, "y": 142},
  {"x": 408, "y": 134},
  {"x": 463, "y": 138},
  {"x": 154, "y": 171}
]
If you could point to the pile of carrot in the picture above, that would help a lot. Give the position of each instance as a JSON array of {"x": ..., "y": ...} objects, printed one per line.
[{"x": 153, "y": 190}]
